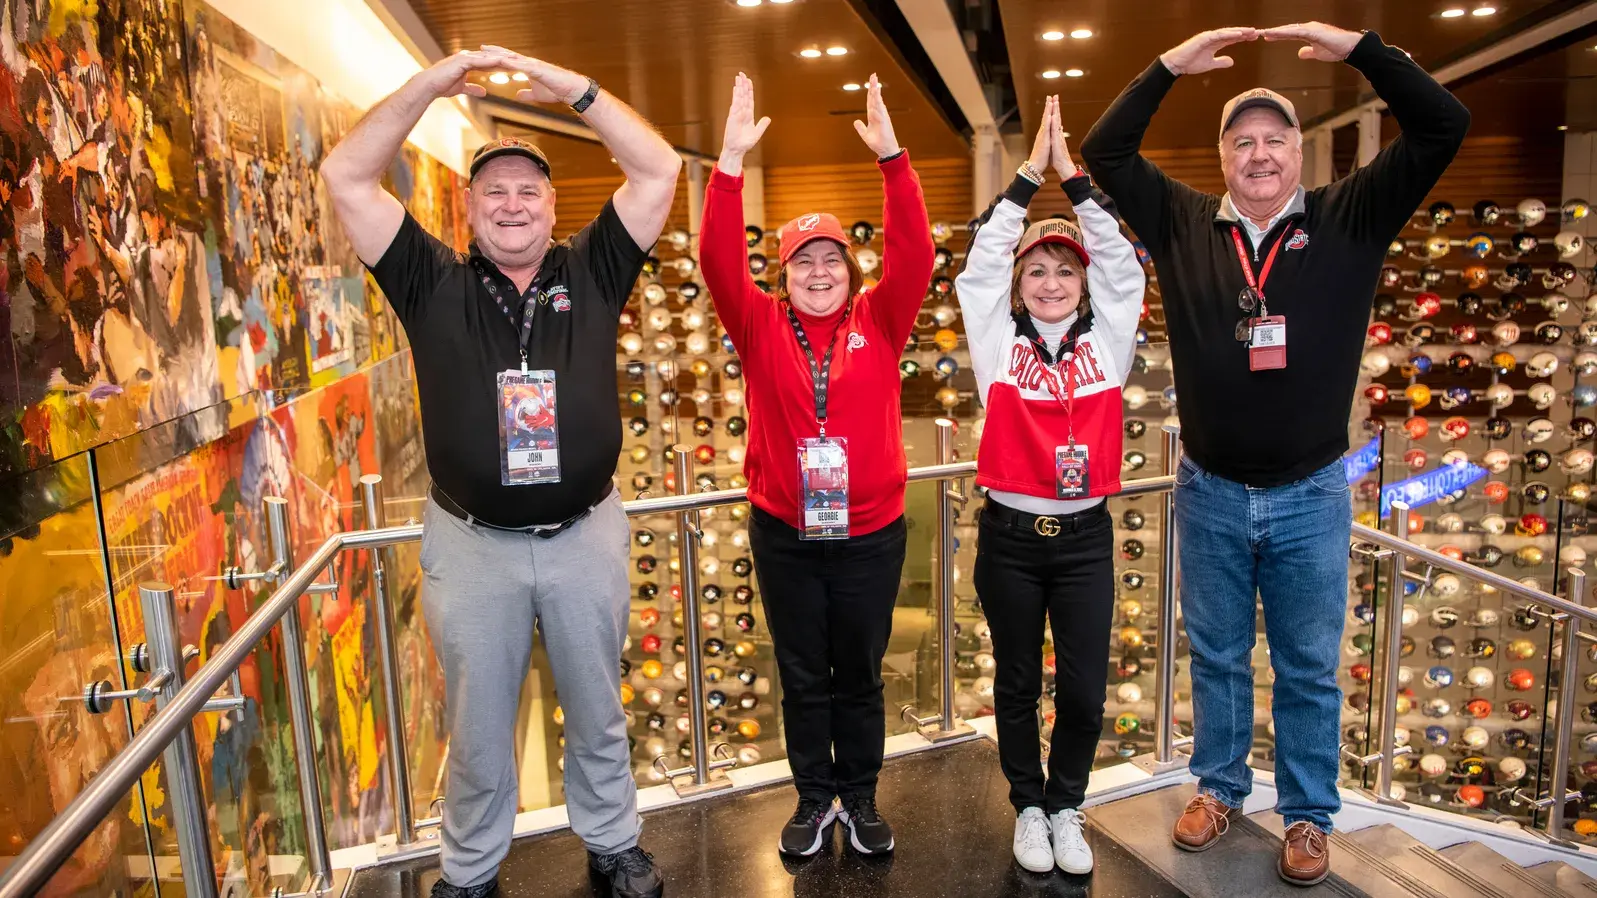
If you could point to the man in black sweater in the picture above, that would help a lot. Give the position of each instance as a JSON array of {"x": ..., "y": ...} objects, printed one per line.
[{"x": 1267, "y": 294}]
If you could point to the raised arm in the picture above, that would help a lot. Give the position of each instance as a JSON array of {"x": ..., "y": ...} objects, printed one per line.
[
  {"x": 908, "y": 252},
  {"x": 1142, "y": 192},
  {"x": 651, "y": 165},
  {"x": 353, "y": 170},
  {"x": 1388, "y": 190},
  {"x": 984, "y": 283},
  {"x": 723, "y": 249}
]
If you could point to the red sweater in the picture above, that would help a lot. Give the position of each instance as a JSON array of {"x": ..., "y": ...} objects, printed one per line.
[{"x": 863, "y": 395}]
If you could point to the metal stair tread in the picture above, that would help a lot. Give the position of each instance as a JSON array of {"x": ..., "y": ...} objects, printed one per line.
[
  {"x": 1565, "y": 878},
  {"x": 1241, "y": 863},
  {"x": 1402, "y": 850},
  {"x": 1359, "y": 865},
  {"x": 1499, "y": 870}
]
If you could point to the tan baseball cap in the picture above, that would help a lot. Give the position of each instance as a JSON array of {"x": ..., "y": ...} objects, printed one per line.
[
  {"x": 1054, "y": 230},
  {"x": 1259, "y": 96}
]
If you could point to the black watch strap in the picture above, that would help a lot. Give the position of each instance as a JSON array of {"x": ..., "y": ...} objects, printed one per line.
[{"x": 587, "y": 98}]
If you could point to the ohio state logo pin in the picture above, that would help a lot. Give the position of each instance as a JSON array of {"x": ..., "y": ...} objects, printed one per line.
[{"x": 1298, "y": 241}]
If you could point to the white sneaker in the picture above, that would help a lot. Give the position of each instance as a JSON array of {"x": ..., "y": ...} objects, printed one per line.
[
  {"x": 1032, "y": 849},
  {"x": 1070, "y": 842}
]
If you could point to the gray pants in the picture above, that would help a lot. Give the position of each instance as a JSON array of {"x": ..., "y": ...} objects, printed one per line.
[{"x": 484, "y": 591}]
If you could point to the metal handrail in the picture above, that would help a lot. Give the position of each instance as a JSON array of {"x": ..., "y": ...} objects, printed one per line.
[{"x": 61, "y": 837}]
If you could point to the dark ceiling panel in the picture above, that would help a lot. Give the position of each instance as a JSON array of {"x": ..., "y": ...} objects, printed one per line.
[
  {"x": 675, "y": 62},
  {"x": 1129, "y": 36}
]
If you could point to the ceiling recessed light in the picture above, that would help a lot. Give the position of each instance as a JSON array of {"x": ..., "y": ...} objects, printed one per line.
[
  {"x": 1483, "y": 11},
  {"x": 1081, "y": 33},
  {"x": 519, "y": 76},
  {"x": 1074, "y": 73},
  {"x": 748, "y": 2},
  {"x": 1053, "y": 35},
  {"x": 499, "y": 78},
  {"x": 1051, "y": 74},
  {"x": 1452, "y": 13},
  {"x": 1563, "y": 127},
  {"x": 836, "y": 51},
  {"x": 851, "y": 86},
  {"x": 780, "y": 2},
  {"x": 810, "y": 53}
]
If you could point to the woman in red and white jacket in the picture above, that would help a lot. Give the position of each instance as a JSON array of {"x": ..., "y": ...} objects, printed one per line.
[
  {"x": 825, "y": 462},
  {"x": 1052, "y": 333}
]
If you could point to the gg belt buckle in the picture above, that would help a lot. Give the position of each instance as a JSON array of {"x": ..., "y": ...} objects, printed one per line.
[{"x": 1046, "y": 525}]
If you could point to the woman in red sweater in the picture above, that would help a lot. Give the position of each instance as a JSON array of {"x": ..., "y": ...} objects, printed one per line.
[{"x": 825, "y": 462}]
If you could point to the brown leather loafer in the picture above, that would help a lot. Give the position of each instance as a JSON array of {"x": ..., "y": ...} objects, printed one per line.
[
  {"x": 1305, "y": 854},
  {"x": 1202, "y": 824}
]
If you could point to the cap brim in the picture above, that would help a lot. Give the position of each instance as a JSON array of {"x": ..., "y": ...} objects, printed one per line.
[
  {"x": 1255, "y": 103},
  {"x": 1062, "y": 240},
  {"x": 485, "y": 158}
]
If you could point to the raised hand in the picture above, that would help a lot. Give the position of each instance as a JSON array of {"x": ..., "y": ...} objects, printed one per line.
[
  {"x": 548, "y": 82},
  {"x": 878, "y": 134},
  {"x": 447, "y": 76},
  {"x": 1326, "y": 43},
  {"x": 1063, "y": 164},
  {"x": 742, "y": 131},
  {"x": 1195, "y": 55},
  {"x": 1043, "y": 145}
]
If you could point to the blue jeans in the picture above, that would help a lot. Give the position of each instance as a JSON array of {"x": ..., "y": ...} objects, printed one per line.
[{"x": 1287, "y": 544}]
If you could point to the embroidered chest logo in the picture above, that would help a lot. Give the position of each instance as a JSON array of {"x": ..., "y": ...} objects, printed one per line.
[
  {"x": 1299, "y": 240},
  {"x": 856, "y": 340},
  {"x": 559, "y": 298},
  {"x": 808, "y": 222}
]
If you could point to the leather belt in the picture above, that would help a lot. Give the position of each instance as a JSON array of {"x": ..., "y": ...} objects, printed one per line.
[
  {"x": 542, "y": 531},
  {"x": 1042, "y": 524}
]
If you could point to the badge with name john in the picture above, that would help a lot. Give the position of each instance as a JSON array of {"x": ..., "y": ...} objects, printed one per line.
[
  {"x": 1267, "y": 348},
  {"x": 529, "y": 431},
  {"x": 823, "y": 487},
  {"x": 1070, "y": 472}
]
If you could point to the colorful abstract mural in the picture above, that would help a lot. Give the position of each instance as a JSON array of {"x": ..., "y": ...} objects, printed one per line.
[{"x": 183, "y": 323}]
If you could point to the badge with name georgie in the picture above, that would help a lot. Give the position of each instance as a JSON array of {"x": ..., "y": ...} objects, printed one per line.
[
  {"x": 823, "y": 487},
  {"x": 529, "y": 430}
]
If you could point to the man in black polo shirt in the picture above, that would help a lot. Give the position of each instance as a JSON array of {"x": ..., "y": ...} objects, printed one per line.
[
  {"x": 514, "y": 347},
  {"x": 1267, "y": 295}
]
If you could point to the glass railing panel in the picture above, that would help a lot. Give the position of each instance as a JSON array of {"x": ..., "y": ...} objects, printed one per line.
[
  {"x": 61, "y": 633},
  {"x": 912, "y": 669}
]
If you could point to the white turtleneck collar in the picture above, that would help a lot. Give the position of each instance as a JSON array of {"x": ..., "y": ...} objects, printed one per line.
[{"x": 1053, "y": 335}]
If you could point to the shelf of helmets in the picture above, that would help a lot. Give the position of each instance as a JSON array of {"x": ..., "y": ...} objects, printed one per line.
[{"x": 1496, "y": 379}]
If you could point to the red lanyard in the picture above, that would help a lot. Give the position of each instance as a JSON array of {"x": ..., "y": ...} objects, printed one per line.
[
  {"x": 1247, "y": 267},
  {"x": 1051, "y": 378}
]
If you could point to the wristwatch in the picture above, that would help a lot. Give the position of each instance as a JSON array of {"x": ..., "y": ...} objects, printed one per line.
[{"x": 587, "y": 98}]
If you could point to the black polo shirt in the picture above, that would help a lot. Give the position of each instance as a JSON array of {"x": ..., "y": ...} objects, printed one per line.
[{"x": 461, "y": 340}]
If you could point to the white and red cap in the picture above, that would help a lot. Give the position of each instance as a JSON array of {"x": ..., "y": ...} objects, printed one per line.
[
  {"x": 1054, "y": 230},
  {"x": 805, "y": 228},
  {"x": 1250, "y": 99}
]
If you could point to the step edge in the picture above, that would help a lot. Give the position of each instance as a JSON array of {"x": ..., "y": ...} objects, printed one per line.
[{"x": 1435, "y": 859}]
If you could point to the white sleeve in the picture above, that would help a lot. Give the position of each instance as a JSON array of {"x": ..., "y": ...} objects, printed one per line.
[
  {"x": 1115, "y": 279},
  {"x": 983, "y": 288}
]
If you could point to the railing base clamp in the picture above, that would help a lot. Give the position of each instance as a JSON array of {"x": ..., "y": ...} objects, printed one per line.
[{"x": 1542, "y": 801}]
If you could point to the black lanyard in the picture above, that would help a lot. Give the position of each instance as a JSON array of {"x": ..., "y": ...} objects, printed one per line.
[
  {"x": 528, "y": 306},
  {"x": 820, "y": 374}
]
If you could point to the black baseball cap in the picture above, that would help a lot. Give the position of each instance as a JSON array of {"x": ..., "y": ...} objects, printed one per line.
[{"x": 510, "y": 146}]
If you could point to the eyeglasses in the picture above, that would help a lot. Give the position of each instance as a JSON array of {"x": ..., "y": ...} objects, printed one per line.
[{"x": 1248, "y": 301}]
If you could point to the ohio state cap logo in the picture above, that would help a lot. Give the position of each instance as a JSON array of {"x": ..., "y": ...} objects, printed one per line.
[{"x": 809, "y": 222}]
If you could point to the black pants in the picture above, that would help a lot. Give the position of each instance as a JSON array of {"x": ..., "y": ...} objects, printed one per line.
[
  {"x": 1022, "y": 576},
  {"x": 829, "y": 604}
]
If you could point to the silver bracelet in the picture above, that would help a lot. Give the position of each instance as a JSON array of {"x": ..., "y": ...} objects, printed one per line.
[{"x": 1031, "y": 174}]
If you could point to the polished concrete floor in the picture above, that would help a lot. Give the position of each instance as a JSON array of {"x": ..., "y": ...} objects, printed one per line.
[{"x": 949, "y": 808}]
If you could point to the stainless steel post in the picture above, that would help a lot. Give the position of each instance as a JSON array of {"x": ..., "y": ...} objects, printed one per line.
[
  {"x": 181, "y": 758},
  {"x": 1390, "y": 650},
  {"x": 1164, "y": 748},
  {"x": 299, "y": 703},
  {"x": 688, "y": 534},
  {"x": 388, "y": 670},
  {"x": 1569, "y": 675},
  {"x": 949, "y": 726}
]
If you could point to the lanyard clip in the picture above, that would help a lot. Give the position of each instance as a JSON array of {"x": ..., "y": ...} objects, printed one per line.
[{"x": 524, "y": 361}]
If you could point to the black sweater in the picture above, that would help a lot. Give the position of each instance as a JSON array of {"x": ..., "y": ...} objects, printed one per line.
[{"x": 1269, "y": 428}]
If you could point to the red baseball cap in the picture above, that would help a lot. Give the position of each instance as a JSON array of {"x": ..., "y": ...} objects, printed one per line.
[
  {"x": 814, "y": 226},
  {"x": 1054, "y": 230}
]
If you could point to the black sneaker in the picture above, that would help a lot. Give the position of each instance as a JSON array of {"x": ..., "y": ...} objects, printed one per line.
[
  {"x": 803, "y": 835},
  {"x": 489, "y": 889},
  {"x": 867, "y": 831},
  {"x": 631, "y": 873}
]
